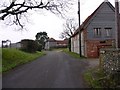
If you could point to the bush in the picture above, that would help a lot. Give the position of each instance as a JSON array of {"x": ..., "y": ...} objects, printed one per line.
[
  {"x": 29, "y": 45},
  {"x": 39, "y": 47}
]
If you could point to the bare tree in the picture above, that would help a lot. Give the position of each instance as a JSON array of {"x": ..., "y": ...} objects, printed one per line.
[
  {"x": 69, "y": 28},
  {"x": 16, "y": 10}
]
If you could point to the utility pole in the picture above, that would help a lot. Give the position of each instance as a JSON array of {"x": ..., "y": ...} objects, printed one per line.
[
  {"x": 79, "y": 28},
  {"x": 117, "y": 23}
]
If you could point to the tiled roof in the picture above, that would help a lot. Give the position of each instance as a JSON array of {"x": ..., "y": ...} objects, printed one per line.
[
  {"x": 51, "y": 40},
  {"x": 65, "y": 41},
  {"x": 62, "y": 41}
]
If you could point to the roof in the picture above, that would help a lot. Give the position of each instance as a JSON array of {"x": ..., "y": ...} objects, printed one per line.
[
  {"x": 65, "y": 41},
  {"x": 84, "y": 24},
  {"x": 51, "y": 40}
]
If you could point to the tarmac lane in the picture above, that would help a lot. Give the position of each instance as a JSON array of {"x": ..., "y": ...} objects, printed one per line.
[{"x": 54, "y": 70}]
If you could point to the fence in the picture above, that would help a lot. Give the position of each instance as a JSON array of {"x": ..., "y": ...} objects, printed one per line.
[{"x": 110, "y": 62}]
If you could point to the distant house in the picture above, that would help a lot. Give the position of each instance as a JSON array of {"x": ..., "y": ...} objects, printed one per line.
[
  {"x": 52, "y": 43},
  {"x": 62, "y": 43},
  {"x": 97, "y": 31},
  {"x": 16, "y": 45}
]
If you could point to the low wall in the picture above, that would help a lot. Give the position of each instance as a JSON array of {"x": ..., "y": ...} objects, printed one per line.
[{"x": 110, "y": 62}]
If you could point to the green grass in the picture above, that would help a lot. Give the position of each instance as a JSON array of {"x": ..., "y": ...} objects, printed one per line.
[
  {"x": 13, "y": 57},
  {"x": 75, "y": 55},
  {"x": 93, "y": 77},
  {"x": 97, "y": 79}
]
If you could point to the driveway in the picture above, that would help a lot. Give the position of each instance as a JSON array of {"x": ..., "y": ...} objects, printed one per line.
[{"x": 55, "y": 70}]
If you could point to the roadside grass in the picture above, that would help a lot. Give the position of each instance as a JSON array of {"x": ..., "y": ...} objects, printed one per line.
[
  {"x": 14, "y": 57},
  {"x": 56, "y": 49},
  {"x": 75, "y": 55},
  {"x": 66, "y": 50},
  {"x": 96, "y": 79}
]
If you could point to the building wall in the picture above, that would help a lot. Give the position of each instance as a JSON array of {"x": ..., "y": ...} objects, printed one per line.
[
  {"x": 83, "y": 45},
  {"x": 94, "y": 46},
  {"x": 49, "y": 45},
  {"x": 15, "y": 45},
  {"x": 75, "y": 44},
  {"x": 104, "y": 18},
  {"x": 52, "y": 44},
  {"x": 72, "y": 44}
]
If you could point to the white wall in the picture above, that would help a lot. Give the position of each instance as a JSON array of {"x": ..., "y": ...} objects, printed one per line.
[
  {"x": 49, "y": 45},
  {"x": 82, "y": 44},
  {"x": 75, "y": 44}
]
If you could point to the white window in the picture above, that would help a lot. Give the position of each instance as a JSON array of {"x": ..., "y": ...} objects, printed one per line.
[
  {"x": 108, "y": 32},
  {"x": 97, "y": 32}
]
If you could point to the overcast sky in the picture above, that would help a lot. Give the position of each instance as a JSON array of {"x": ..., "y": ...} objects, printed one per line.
[{"x": 48, "y": 22}]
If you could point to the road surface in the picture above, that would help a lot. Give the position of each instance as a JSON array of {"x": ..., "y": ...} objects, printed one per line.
[{"x": 55, "y": 70}]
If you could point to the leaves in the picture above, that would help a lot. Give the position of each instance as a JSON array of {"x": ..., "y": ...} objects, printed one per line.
[{"x": 41, "y": 38}]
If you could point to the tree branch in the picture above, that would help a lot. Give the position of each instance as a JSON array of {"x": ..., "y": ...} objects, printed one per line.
[
  {"x": 17, "y": 8},
  {"x": 69, "y": 28},
  {"x": 17, "y": 20}
]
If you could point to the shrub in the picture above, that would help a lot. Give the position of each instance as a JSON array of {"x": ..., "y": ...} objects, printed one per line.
[
  {"x": 39, "y": 47},
  {"x": 29, "y": 45}
]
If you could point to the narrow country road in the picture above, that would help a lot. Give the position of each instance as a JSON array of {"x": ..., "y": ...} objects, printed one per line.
[{"x": 55, "y": 70}]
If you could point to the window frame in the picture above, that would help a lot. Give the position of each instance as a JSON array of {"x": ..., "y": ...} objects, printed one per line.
[
  {"x": 97, "y": 32},
  {"x": 108, "y": 32}
]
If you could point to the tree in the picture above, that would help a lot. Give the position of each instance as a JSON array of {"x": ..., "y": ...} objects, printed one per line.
[
  {"x": 69, "y": 29},
  {"x": 41, "y": 38},
  {"x": 16, "y": 10}
]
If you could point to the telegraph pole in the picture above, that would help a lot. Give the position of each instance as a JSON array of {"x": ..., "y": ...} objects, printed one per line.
[
  {"x": 117, "y": 23},
  {"x": 79, "y": 28}
]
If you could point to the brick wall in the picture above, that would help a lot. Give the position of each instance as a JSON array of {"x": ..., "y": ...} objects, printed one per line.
[{"x": 93, "y": 47}]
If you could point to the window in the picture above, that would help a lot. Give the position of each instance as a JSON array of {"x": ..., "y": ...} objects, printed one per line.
[
  {"x": 108, "y": 32},
  {"x": 97, "y": 32},
  {"x": 102, "y": 41}
]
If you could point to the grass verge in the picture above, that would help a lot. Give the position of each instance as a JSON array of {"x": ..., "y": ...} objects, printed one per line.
[
  {"x": 92, "y": 77},
  {"x": 96, "y": 78},
  {"x": 75, "y": 55},
  {"x": 13, "y": 57}
]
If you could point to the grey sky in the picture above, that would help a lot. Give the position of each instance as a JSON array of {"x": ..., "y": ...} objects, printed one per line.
[{"x": 48, "y": 22}]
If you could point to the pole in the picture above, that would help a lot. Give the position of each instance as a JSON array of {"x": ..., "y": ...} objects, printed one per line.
[
  {"x": 2, "y": 43},
  {"x": 117, "y": 24},
  {"x": 79, "y": 28}
]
